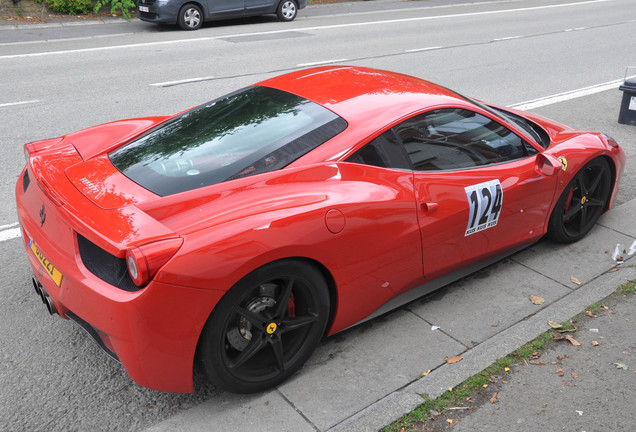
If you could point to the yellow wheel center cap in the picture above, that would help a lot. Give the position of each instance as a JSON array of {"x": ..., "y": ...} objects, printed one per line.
[
  {"x": 583, "y": 200},
  {"x": 271, "y": 328}
]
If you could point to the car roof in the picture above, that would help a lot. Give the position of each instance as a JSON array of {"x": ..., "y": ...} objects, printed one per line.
[{"x": 355, "y": 93}]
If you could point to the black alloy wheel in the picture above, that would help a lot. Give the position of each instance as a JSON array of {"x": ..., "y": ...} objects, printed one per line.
[
  {"x": 190, "y": 17},
  {"x": 265, "y": 327},
  {"x": 582, "y": 202}
]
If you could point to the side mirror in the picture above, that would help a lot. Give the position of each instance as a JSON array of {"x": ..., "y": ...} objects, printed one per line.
[{"x": 547, "y": 165}]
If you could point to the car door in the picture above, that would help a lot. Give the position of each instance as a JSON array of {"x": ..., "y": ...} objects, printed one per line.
[
  {"x": 260, "y": 6},
  {"x": 477, "y": 187},
  {"x": 229, "y": 8}
]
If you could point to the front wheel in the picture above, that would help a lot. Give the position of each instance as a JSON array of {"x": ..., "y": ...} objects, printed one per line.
[
  {"x": 287, "y": 10},
  {"x": 190, "y": 17},
  {"x": 265, "y": 327},
  {"x": 581, "y": 203}
]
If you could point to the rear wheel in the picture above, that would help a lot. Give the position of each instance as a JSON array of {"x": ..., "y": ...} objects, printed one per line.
[
  {"x": 265, "y": 327},
  {"x": 287, "y": 10},
  {"x": 581, "y": 203},
  {"x": 190, "y": 17}
]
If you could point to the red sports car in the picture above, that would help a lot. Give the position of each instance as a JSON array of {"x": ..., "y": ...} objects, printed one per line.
[{"x": 237, "y": 234}]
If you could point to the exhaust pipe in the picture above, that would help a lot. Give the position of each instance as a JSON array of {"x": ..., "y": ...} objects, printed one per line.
[{"x": 39, "y": 289}]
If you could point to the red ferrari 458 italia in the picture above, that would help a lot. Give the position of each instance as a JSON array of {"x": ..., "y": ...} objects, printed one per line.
[{"x": 237, "y": 234}]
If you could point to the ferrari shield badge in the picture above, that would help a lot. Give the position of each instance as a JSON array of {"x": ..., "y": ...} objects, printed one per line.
[
  {"x": 564, "y": 163},
  {"x": 485, "y": 201}
]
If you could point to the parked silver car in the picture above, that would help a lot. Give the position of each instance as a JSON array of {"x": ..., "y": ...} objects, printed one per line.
[{"x": 190, "y": 14}]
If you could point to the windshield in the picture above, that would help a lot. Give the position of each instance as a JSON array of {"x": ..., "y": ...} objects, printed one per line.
[{"x": 252, "y": 131}]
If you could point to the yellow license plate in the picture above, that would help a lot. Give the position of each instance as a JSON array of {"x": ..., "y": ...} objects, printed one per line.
[{"x": 46, "y": 264}]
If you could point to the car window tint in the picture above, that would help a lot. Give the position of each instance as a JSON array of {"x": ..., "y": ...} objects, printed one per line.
[
  {"x": 252, "y": 131},
  {"x": 384, "y": 151},
  {"x": 447, "y": 139}
]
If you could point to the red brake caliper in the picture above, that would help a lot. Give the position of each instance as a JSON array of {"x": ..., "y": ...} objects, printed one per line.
[
  {"x": 568, "y": 201},
  {"x": 291, "y": 306}
]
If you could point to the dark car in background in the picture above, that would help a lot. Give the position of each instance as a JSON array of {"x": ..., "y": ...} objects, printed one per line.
[{"x": 190, "y": 14}]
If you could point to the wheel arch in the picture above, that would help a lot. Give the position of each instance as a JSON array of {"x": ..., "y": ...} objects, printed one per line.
[
  {"x": 324, "y": 271},
  {"x": 198, "y": 3}
]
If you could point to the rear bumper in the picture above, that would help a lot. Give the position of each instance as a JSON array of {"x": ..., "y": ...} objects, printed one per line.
[{"x": 153, "y": 332}]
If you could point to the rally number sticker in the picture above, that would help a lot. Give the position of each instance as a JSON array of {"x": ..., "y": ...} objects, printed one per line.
[{"x": 484, "y": 200}]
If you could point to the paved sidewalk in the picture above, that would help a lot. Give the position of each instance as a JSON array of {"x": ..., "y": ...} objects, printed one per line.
[
  {"x": 584, "y": 388},
  {"x": 365, "y": 378}
]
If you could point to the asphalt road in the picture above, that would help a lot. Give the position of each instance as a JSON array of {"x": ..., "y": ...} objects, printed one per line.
[{"x": 505, "y": 52}]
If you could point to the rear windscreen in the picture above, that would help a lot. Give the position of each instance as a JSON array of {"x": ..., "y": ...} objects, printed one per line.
[{"x": 252, "y": 131}]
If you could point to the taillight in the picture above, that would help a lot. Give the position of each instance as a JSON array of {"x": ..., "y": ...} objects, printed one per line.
[{"x": 144, "y": 261}]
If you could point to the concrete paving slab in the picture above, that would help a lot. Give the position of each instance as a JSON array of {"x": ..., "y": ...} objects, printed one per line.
[
  {"x": 366, "y": 364},
  {"x": 484, "y": 304},
  {"x": 621, "y": 219},
  {"x": 583, "y": 260},
  {"x": 483, "y": 355},
  {"x": 598, "y": 398},
  {"x": 229, "y": 412}
]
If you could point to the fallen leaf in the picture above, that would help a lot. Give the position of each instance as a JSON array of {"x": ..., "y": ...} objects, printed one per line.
[
  {"x": 562, "y": 357},
  {"x": 621, "y": 366},
  {"x": 573, "y": 341},
  {"x": 493, "y": 399},
  {"x": 426, "y": 373},
  {"x": 536, "y": 300},
  {"x": 594, "y": 343},
  {"x": 449, "y": 421},
  {"x": 559, "y": 372},
  {"x": 538, "y": 363},
  {"x": 625, "y": 284},
  {"x": 554, "y": 325},
  {"x": 589, "y": 313},
  {"x": 575, "y": 280},
  {"x": 574, "y": 375},
  {"x": 450, "y": 389},
  {"x": 454, "y": 359},
  {"x": 494, "y": 325},
  {"x": 485, "y": 385},
  {"x": 615, "y": 269},
  {"x": 507, "y": 369}
]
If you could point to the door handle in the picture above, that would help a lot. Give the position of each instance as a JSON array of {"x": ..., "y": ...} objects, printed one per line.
[{"x": 428, "y": 208}]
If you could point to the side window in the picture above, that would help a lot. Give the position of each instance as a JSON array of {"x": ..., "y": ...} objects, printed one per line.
[
  {"x": 447, "y": 139},
  {"x": 384, "y": 151}
]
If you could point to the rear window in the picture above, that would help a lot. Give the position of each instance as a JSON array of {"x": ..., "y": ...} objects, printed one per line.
[{"x": 252, "y": 131}]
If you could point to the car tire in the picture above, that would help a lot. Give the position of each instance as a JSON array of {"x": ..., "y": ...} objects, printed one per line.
[
  {"x": 190, "y": 17},
  {"x": 582, "y": 202},
  {"x": 265, "y": 327},
  {"x": 287, "y": 10}
]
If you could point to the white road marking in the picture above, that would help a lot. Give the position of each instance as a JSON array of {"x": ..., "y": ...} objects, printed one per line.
[
  {"x": 18, "y": 103},
  {"x": 506, "y": 38},
  {"x": 10, "y": 234},
  {"x": 183, "y": 81},
  {"x": 327, "y": 27},
  {"x": 322, "y": 62},
  {"x": 424, "y": 49},
  {"x": 573, "y": 94}
]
